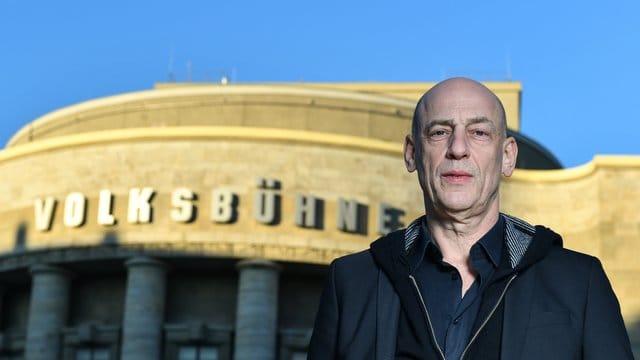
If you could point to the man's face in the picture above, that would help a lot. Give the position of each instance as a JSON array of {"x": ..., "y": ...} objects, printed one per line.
[{"x": 460, "y": 151}]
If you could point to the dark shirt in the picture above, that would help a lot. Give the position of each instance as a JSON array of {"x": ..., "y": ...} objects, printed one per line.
[{"x": 452, "y": 315}]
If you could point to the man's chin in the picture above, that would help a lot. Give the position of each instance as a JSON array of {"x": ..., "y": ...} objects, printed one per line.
[
  {"x": 460, "y": 207},
  {"x": 456, "y": 202},
  {"x": 449, "y": 208}
]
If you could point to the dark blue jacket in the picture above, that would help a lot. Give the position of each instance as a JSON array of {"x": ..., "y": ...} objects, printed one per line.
[{"x": 545, "y": 302}]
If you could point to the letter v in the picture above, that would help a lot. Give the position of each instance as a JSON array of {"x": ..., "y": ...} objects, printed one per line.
[{"x": 44, "y": 210}]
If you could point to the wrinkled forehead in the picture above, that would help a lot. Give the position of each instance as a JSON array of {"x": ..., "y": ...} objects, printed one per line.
[{"x": 461, "y": 103}]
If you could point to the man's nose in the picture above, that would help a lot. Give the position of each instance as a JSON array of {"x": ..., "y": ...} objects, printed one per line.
[{"x": 458, "y": 145}]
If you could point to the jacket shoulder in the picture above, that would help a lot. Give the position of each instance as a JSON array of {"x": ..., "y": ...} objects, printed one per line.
[
  {"x": 570, "y": 258},
  {"x": 355, "y": 263}
]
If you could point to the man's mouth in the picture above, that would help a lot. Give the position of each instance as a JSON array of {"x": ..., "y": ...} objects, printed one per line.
[{"x": 457, "y": 176}]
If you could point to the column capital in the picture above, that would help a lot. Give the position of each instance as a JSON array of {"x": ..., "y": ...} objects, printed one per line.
[
  {"x": 258, "y": 263},
  {"x": 46, "y": 268},
  {"x": 145, "y": 261}
]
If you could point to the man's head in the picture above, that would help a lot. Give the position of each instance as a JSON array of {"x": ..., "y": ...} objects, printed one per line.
[{"x": 459, "y": 148}]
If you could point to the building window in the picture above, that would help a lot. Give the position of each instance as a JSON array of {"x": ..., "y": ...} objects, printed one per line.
[
  {"x": 93, "y": 353},
  {"x": 11, "y": 356},
  {"x": 299, "y": 356},
  {"x": 91, "y": 342},
  {"x": 197, "y": 352},
  {"x": 294, "y": 343},
  {"x": 197, "y": 341},
  {"x": 11, "y": 345}
]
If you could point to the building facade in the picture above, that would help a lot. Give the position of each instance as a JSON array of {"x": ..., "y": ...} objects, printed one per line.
[{"x": 197, "y": 221}]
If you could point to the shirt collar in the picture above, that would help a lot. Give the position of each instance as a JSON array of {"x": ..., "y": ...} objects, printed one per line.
[{"x": 491, "y": 243}]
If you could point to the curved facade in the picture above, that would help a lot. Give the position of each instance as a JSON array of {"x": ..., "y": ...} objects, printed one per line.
[{"x": 196, "y": 221}]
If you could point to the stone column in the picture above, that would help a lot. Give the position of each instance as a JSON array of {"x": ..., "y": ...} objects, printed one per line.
[
  {"x": 143, "y": 309},
  {"x": 257, "y": 310},
  {"x": 48, "y": 311}
]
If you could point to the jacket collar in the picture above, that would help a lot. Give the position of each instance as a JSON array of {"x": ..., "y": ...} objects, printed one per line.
[{"x": 517, "y": 233}]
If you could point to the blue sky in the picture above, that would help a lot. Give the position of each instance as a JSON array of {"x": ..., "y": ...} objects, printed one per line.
[{"x": 577, "y": 61}]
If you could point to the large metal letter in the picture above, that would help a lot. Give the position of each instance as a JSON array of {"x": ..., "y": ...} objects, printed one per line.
[
  {"x": 182, "y": 202},
  {"x": 44, "y": 213},
  {"x": 267, "y": 206},
  {"x": 74, "y": 209},
  {"x": 306, "y": 210},
  {"x": 347, "y": 215},
  {"x": 222, "y": 206},
  {"x": 389, "y": 218},
  {"x": 105, "y": 205},
  {"x": 140, "y": 210}
]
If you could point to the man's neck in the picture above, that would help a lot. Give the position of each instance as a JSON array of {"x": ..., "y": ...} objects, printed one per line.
[{"x": 455, "y": 236}]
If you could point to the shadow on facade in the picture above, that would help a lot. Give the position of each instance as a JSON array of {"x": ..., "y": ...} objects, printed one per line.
[
  {"x": 20, "y": 243},
  {"x": 201, "y": 293},
  {"x": 200, "y": 299}
]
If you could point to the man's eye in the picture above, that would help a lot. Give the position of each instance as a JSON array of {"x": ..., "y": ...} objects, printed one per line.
[
  {"x": 480, "y": 133},
  {"x": 437, "y": 133}
]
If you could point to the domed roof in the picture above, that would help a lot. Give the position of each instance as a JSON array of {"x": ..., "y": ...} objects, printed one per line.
[
  {"x": 308, "y": 107},
  {"x": 265, "y": 106}
]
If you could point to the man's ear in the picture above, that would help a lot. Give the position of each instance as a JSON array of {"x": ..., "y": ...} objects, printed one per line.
[
  {"x": 509, "y": 156},
  {"x": 409, "y": 153}
]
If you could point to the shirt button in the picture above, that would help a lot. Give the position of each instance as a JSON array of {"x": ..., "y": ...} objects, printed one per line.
[{"x": 456, "y": 320}]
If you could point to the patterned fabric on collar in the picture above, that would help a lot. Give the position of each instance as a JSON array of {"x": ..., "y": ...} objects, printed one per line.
[
  {"x": 518, "y": 234},
  {"x": 412, "y": 232}
]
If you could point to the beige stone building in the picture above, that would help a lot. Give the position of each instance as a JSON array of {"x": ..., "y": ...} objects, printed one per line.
[{"x": 196, "y": 221}]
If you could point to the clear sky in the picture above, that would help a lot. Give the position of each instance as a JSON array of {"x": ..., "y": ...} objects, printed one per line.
[{"x": 578, "y": 61}]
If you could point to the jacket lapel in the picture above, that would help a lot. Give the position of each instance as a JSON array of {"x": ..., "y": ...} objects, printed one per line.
[
  {"x": 387, "y": 314},
  {"x": 517, "y": 302},
  {"x": 517, "y": 311}
]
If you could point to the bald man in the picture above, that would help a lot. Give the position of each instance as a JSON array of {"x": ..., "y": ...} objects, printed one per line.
[{"x": 465, "y": 281}]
